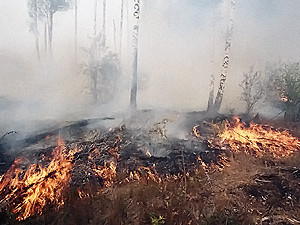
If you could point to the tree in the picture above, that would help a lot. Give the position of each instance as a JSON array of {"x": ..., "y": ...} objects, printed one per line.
[
  {"x": 135, "y": 32},
  {"x": 121, "y": 27},
  {"x": 104, "y": 23},
  {"x": 75, "y": 25},
  {"x": 33, "y": 16},
  {"x": 43, "y": 11},
  {"x": 225, "y": 64},
  {"x": 252, "y": 89},
  {"x": 51, "y": 7},
  {"x": 284, "y": 86},
  {"x": 103, "y": 70}
]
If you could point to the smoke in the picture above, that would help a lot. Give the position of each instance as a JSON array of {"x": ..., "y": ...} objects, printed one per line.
[{"x": 177, "y": 39}]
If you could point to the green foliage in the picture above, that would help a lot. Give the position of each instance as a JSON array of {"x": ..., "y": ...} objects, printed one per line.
[{"x": 157, "y": 220}]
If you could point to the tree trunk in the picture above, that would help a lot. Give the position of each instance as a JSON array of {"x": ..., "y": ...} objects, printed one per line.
[
  {"x": 211, "y": 93},
  {"x": 135, "y": 32},
  {"x": 95, "y": 17},
  {"x": 115, "y": 43},
  {"x": 75, "y": 21},
  {"x": 224, "y": 72},
  {"x": 36, "y": 33},
  {"x": 50, "y": 31},
  {"x": 104, "y": 23},
  {"x": 212, "y": 62},
  {"x": 45, "y": 36},
  {"x": 121, "y": 28}
]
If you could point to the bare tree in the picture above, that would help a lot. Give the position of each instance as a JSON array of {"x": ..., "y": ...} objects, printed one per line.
[
  {"x": 135, "y": 33},
  {"x": 225, "y": 64},
  {"x": 75, "y": 25},
  {"x": 211, "y": 93},
  {"x": 33, "y": 15},
  {"x": 252, "y": 89},
  {"x": 49, "y": 8},
  {"x": 121, "y": 27},
  {"x": 44, "y": 10},
  {"x": 104, "y": 23},
  {"x": 95, "y": 16},
  {"x": 212, "y": 62}
]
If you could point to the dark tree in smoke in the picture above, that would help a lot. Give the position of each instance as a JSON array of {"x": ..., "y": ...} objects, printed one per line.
[
  {"x": 252, "y": 89},
  {"x": 135, "y": 34},
  {"x": 103, "y": 70},
  {"x": 101, "y": 65},
  {"x": 224, "y": 72}
]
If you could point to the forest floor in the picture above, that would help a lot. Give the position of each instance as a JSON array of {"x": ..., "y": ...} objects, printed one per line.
[{"x": 163, "y": 174}]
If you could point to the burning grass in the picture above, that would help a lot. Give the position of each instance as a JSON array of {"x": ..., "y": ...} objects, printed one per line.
[
  {"x": 114, "y": 180},
  {"x": 259, "y": 139},
  {"x": 29, "y": 192}
]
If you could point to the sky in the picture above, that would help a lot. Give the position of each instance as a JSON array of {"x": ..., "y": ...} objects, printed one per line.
[{"x": 181, "y": 42}]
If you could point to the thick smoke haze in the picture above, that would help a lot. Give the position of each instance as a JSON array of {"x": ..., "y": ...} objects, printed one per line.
[{"x": 181, "y": 42}]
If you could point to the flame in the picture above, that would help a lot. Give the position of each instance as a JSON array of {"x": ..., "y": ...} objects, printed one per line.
[
  {"x": 107, "y": 173},
  {"x": 39, "y": 185},
  {"x": 259, "y": 140},
  {"x": 148, "y": 153},
  {"x": 114, "y": 151},
  {"x": 143, "y": 172},
  {"x": 195, "y": 131}
]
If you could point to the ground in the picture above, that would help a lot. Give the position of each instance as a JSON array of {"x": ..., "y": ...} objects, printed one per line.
[{"x": 233, "y": 188}]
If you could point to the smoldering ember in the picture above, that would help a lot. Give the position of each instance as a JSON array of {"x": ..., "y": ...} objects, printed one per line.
[{"x": 149, "y": 112}]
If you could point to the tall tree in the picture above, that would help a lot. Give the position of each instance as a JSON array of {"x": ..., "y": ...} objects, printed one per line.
[
  {"x": 104, "y": 23},
  {"x": 75, "y": 25},
  {"x": 33, "y": 15},
  {"x": 53, "y": 6},
  {"x": 95, "y": 16},
  {"x": 135, "y": 32},
  {"x": 121, "y": 27},
  {"x": 225, "y": 64},
  {"x": 212, "y": 62}
]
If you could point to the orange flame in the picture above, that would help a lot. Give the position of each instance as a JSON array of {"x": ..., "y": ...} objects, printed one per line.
[
  {"x": 195, "y": 131},
  {"x": 107, "y": 173},
  {"x": 39, "y": 185},
  {"x": 148, "y": 153},
  {"x": 259, "y": 140}
]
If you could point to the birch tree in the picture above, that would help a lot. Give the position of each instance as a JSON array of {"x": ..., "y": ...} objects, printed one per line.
[
  {"x": 226, "y": 58},
  {"x": 135, "y": 33}
]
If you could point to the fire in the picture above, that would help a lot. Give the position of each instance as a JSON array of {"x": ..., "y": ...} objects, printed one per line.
[
  {"x": 39, "y": 185},
  {"x": 148, "y": 153},
  {"x": 259, "y": 140},
  {"x": 149, "y": 173},
  {"x": 195, "y": 131},
  {"x": 107, "y": 173}
]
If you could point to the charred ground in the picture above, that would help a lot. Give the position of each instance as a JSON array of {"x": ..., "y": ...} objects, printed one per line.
[{"x": 136, "y": 173}]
